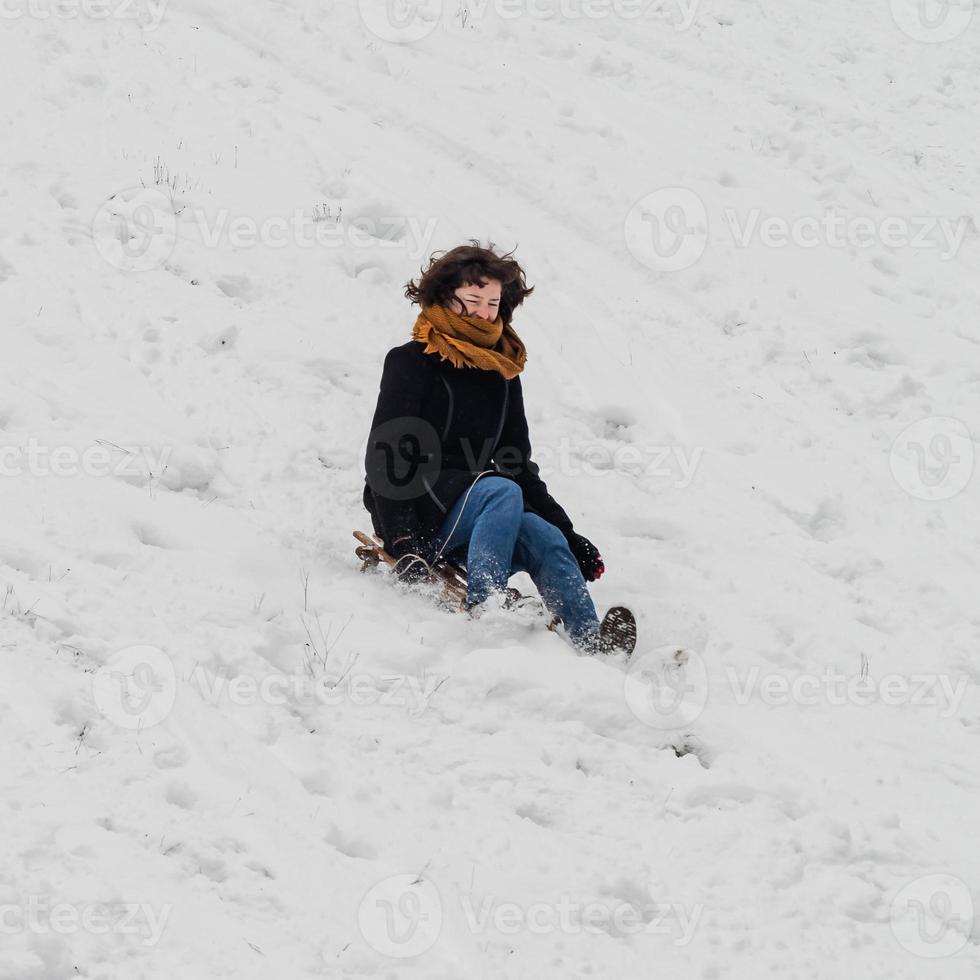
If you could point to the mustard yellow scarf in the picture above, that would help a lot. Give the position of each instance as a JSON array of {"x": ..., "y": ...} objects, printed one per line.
[{"x": 468, "y": 341}]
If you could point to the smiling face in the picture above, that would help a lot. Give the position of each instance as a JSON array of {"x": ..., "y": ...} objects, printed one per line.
[{"x": 482, "y": 301}]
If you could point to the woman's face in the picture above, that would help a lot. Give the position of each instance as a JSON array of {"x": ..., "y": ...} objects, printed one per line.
[{"x": 482, "y": 301}]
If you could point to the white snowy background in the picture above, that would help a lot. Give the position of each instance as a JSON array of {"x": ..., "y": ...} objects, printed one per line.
[{"x": 767, "y": 424}]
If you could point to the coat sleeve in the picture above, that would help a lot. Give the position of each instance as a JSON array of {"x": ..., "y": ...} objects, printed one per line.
[
  {"x": 513, "y": 457},
  {"x": 396, "y": 416}
]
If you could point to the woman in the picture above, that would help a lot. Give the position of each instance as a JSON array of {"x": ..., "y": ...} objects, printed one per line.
[{"x": 448, "y": 464}]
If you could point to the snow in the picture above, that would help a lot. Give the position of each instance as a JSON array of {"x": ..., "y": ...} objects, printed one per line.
[{"x": 752, "y": 381}]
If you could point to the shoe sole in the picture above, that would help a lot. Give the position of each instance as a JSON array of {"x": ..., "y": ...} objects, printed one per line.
[{"x": 618, "y": 629}]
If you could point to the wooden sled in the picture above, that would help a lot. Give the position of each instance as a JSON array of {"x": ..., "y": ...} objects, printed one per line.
[
  {"x": 452, "y": 578},
  {"x": 446, "y": 574}
]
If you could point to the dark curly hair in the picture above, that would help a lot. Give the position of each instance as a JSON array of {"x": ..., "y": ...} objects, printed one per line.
[{"x": 470, "y": 265}]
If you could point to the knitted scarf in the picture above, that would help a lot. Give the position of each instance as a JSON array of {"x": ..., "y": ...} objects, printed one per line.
[{"x": 468, "y": 341}]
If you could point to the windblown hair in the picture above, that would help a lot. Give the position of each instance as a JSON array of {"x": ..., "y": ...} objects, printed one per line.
[{"x": 470, "y": 265}]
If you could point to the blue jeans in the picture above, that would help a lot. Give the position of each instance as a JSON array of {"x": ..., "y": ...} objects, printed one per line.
[{"x": 488, "y": 529}]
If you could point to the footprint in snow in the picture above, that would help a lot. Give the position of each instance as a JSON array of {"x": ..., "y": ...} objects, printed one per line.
[
  {"x": 238, "y": 287},
  {"x": 180, "y": 794}
]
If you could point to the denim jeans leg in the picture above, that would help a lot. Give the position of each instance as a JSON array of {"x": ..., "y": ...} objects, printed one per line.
[
  {"x": 543, "y": 553},
  {"x": 486, "y": 520}
]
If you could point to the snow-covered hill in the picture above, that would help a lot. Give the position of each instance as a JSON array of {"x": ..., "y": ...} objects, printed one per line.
[{"x": 754, "y": 382}]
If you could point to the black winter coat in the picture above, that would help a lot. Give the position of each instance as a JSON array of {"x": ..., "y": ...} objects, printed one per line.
[{"x": 435, "y": 428}]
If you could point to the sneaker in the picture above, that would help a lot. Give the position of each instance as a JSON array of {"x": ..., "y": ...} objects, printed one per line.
[{"x": 617, "y": 631}]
